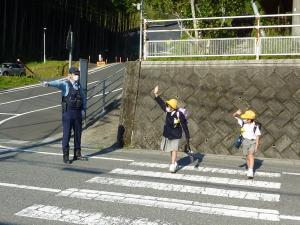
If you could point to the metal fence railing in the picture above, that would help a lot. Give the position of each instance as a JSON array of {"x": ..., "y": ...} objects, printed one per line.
[
  {"x": 102, "y": 93},
  {"x": 225, "y": 47},
  {"x": 280, "y": 45},
  {"x": 257, "y": 46},
  {"x": 201, "y": 47}
]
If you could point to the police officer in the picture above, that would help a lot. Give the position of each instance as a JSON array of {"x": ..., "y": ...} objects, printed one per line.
[{"x": 73, "y": 109}]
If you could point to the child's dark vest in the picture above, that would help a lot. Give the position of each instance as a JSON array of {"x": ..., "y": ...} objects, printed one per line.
[{"x": 73, "y": 101}]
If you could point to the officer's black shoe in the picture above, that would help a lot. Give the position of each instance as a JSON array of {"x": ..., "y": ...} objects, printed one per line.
[
  {"x": 78, "y": 156},
  {"x": 66, "y": 159}
]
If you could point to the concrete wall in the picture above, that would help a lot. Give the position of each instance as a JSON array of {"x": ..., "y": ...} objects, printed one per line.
[{"x": 212, "y": 91}]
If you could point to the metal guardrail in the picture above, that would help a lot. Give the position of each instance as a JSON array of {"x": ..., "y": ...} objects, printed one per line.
[
  {"x": 102, "y": 93},
  {"x": 201, "y": 47},
  {"x": 225, "y": 47},
  {"x": 246, "y": 46}
]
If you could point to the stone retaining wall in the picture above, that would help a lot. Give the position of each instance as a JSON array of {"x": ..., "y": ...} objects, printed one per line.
[{"x": 212, "y": 91}]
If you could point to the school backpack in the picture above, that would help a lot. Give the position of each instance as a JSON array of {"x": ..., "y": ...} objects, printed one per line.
[
  {"x": 184, "y": 111},
  {"x": 257, "y": 125}
]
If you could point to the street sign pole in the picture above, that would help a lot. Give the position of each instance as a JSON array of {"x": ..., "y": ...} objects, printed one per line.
[{"x": 83, "y": 67}]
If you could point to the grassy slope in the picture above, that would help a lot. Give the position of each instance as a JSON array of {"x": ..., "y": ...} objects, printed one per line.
[{"x": 48, "y": 71}]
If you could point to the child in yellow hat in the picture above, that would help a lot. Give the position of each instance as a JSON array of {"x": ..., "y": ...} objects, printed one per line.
[
  {"x": 250, "y": 132},
  {"x": 174, "y": 124}
]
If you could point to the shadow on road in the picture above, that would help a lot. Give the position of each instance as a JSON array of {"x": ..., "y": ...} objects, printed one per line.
[
  {"x": 196, "y": 158},
  {"x": 257, "y": 164},
  {"x": 83, "y": 170}
]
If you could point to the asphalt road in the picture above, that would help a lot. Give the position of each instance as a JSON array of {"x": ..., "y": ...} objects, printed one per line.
[
  {"x": 125, "y": 186},
  {"x": 33, "y": 112},
  {"x": 134, "y": 187}
]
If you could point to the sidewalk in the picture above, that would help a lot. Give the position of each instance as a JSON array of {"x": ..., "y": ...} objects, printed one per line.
[{"x": 102, "y": 135}]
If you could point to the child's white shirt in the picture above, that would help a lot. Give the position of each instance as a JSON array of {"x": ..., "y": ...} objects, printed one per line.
[{"x": 247, "y": 130}]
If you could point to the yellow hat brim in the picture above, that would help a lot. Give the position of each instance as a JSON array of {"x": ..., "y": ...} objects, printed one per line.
[
  {"x": 170, "y": 103},
  {"x": 245, "y": 116}
]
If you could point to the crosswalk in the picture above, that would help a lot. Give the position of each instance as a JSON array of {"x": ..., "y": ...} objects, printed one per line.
[{"x": 168, "y": 191}]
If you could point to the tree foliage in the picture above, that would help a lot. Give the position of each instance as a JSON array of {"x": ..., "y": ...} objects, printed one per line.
[{"x": 167, "y": 9}]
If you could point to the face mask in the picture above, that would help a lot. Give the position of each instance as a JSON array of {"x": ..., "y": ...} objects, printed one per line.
[
  {"x": 75, "y": 77},
  {"x": 168, "y": 109}
]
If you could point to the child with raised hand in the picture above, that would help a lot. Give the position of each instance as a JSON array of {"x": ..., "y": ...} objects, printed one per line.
[
  {"x": 250, "y": 131},
  {"x": 174, "y": 124}
]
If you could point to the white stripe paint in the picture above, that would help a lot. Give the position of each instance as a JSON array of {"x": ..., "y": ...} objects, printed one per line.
[
  {"x": 206, "y": 169},
  {"x": 5, "y": 148},
  {"x": 22, "y": 114},
  {"x": 95, "y": 70},
  {"x": 11, "y": 141},
  {"x": 75, "y": 216},
  {"x": 174, "y": 204},
  {"x": 41, "y": 95},
  {"x": 36, "y": 96},
  {"x": 9, "y": 114},
  {"x": 287, "y": 173},
  {"x": 32, "y": 97},
  {"x": 286, "y": 217},
  {"x": 206, "y": 179},
  {"x": 29, "y": 187},
  {"x": 106, "y": 93},
  {"x": 187, "y": 189}
]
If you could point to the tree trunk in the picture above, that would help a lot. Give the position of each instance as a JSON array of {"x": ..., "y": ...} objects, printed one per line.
[
  {"x": 4, "y": 29},
  {"x": 14, "y": 34},
  {"x": 194, "y": 16}
]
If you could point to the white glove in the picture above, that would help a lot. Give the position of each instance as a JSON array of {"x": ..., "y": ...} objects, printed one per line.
[
  {"x": 46, "y": 84},
  {"x": 82, "y": 113}
]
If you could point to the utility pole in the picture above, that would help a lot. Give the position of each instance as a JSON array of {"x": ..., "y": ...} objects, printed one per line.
[
  {"x": 70, "y": 52},
  {"x": 140, "y": 7},
  {"x": 69, "y": 45},
  {"x": 45, "y": 44},
  {"x": 296, "y": 19}
]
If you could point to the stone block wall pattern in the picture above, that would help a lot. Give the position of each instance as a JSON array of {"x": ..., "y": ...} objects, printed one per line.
[{"x": 212, "y": 91}]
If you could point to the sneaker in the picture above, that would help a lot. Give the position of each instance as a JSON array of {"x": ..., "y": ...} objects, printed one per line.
[
  {"x": 176, "y": 166},
  {"x": 172, "y": 168},
  {"x": 250, "y": 174}
]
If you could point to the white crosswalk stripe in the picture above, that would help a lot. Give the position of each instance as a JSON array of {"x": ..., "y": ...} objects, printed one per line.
[
  {"x": 76, "y": 216},
  {"x": 187, "y": 189},
  {"x": 206, "y": 169},
  {"x": 207, "y": 179},
  {"x": 134, "y": 179},
  {"x": 175, "y": 204}
]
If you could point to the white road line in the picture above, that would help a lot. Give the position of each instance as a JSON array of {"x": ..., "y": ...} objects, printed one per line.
[
  {"x": 22, "y": 114},
  {"x": 76, "y": 216},
  {"x": 206, "y": 179},
  {"x": 119, "y": 89},
  {"x": 187, "y": 189},
  {"x": 30, "y": 187},
  {"x": 9, "y": 114},
  {"x": 19, "y": 142},
  {"x": 174, "y": 204},
  {"x": 287, "y": 173},
  {"x": 40, "y": 84},
  {"x": 5, "y": 148},
  {"x": 206, "y": 169},
  {"x": 286, "y": 217},
  {"x": 36, "y": 96},
  {"x": 24, "y": 99}
]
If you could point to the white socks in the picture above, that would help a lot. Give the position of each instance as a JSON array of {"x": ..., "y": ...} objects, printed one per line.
[
  {"x": 173, "y": 167},
  {"x": 250, "y": 173}
]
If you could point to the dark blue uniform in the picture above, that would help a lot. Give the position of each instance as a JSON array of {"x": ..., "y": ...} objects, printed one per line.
[{"x": 73, "y": 106}]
